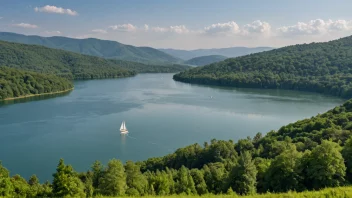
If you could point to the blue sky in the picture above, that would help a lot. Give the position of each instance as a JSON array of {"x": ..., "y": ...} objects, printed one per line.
[{"x": 182, "y": 24}]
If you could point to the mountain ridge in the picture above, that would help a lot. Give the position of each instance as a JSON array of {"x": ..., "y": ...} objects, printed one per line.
[
  {"x": 228, "y": 52},
  {"x": 95, "y": 47}
]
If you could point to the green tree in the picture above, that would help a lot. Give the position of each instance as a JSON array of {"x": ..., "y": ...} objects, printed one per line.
[
  {"x": 34, "y": 186},
  {"x": 97, "y": 170},
  {"x": 326, "y": 166},
  {"x": 185, "y": 183},
  {"x": 198, "y": 178},
  {"x": 66, "y": 183},
  {"x": 135, "y": 180},
  {"x": 113, "y": 182},
  {"x": 243, "y": 176},
  {"x": 20, "y": 185},
  {"x": 283, "y": 174},
  {"x": 6, "y": 186},
  {"x": 347, "y": 155}
]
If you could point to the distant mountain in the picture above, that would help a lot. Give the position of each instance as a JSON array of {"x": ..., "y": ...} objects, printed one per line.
[
  {"x": 228, "y": 52},
  {"x": 95, "y": 47},
  {"x": 205, "y": 60}
]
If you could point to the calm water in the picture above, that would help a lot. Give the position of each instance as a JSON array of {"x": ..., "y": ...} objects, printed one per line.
[{"x": 161, "y": 115}]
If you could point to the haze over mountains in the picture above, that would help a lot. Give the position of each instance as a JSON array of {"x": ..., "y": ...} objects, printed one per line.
[
  {"x": 116, "y": 50},
  {"x": 228, "y": 52}
]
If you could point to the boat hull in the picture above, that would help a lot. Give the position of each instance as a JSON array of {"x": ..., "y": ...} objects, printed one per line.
[{"x": 123, "y": 131}]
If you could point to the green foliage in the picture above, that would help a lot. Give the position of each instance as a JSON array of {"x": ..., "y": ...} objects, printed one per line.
[
  {"x": 347, "y": 155},
  {"x": 199, "y": 182},
  {"x": 6, "y": 186},
  {"x": 243, "y": 176},
  {"x": 316, "y": 67},
  {"x": 136, "y": 182},
  {"x": 282, "y": 174},
  {"x": 18, "y": 83},
  {"x": 113, "y": 181},
  {"x": 326, "y": 166},
  {"x": 20, "y": 185},
  {"x": 66, "y": 182},
  {"x": 95, "y": 47},
  {"x": 185, "y": 183}
]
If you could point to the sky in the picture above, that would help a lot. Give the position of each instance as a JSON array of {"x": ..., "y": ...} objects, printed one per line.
[{"x": 182, "y": 24}]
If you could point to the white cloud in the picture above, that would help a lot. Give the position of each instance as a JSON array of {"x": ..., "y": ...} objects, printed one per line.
[
  {"x": 257, "y": 27},
  {"x": 229, "y": 27},
  {"x": 100, "y": 31},
  {"x": 159, "y": 29},
  {"x": 25, "y": 25},
  {"x": 57, "y": 10},
  {"x": 124, "y": 27},
  {"x": 146, "y": 27},
  {"x": 52, "y": 32},
  {"x": 316, "y": 27},
  {"x": 178, "y": 29}
]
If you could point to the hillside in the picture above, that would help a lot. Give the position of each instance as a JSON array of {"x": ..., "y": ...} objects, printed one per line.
[
  {"x": 63, "y": 63},
  {"x": 317, "y": 67},
  {"x": 228, "y": 52},
  {"x": 310, "y": 154},
  {"x": 205, "y": 60},
  {"x": 15, "y": 83},
  {"x": 95, "y": 47}
]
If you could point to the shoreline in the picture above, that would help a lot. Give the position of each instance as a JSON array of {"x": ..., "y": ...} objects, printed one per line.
[{"x": 33, "y": 95}]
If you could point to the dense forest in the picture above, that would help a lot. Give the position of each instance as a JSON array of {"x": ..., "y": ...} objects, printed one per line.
[
  {"x": 317, "y": 67},
  {"x": 95, "y": 47},
  {"x": 205, "y": 60},
  {"x": 310, "y": 154},
  {"x": 19, "y": 83}
]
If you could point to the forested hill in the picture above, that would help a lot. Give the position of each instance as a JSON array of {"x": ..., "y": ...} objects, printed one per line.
[
  {"x": 310, "y": 154},
  {"x": 316, "y": 67},
  {"x": 63, "y": 63},
  {"x": 205, "y": 60},
  {"x": 18, "y": 83},
  {"x": 96, "y": 47}
]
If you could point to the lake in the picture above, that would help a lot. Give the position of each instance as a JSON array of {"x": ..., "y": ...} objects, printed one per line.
[{"x": 161, "y": 116}]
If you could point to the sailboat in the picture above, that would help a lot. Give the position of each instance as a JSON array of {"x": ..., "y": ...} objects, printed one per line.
[{"x": 123, "y": 128}]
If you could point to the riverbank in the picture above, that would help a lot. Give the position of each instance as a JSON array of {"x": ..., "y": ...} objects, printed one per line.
[{"x": 34, "y": 95}]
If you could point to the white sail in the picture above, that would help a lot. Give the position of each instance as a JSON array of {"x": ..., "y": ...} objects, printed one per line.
[{"x": 122, "y": 126}]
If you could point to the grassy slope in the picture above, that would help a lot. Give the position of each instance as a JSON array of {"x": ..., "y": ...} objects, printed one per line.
[{"x": 95, "y": 47}]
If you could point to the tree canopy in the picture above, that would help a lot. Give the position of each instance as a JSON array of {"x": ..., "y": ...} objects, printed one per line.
[{"x": 17, "y": 83}]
